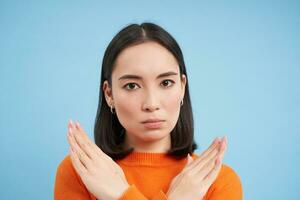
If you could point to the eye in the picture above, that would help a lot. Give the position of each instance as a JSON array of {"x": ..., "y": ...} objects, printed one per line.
[
  {"x": 165, "y": 83},
  {"x": 129, "y": 86}
]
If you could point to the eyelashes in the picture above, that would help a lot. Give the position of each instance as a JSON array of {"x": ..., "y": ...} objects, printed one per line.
[{"x": 131, "y": 86}]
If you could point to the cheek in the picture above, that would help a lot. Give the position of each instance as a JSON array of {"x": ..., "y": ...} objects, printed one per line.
[
  {"x": 172, "y": 104},
  {"x": 172, "y": 108},
  {"x": 127, "y": 108}
]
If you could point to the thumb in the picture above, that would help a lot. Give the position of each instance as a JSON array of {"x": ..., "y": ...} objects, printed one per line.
[
  {"x": 190, "y": 159},
  {"x": 188, "y": 163}
]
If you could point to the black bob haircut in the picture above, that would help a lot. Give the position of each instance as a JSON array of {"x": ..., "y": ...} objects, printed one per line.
[{"x": 109, "y": 134}]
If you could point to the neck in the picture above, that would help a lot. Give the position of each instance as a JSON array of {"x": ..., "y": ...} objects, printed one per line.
[{"x": 155, "y": 146}]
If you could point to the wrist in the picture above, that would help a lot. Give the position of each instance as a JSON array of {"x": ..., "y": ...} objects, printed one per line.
[{"x": 122, "y": 190}]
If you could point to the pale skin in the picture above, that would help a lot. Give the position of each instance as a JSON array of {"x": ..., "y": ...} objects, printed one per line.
[
  {"x": 100, "y": 174},
  {"x": 149, "y": 97},
  {"x": 154, "y": 89}
]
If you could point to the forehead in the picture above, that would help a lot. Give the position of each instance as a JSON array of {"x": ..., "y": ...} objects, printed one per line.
[{"x": 145, "y": 59}]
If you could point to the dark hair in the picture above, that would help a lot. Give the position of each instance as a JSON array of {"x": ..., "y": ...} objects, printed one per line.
[{"x": 109, "y": 134}]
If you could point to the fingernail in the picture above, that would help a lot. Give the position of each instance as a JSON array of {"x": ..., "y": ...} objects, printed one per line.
[
  {"x": 77, "y": 125},
  {"x": 70, "y": 130},
  {"x": 71, "y": 122},
  {"x": 216, "y": 139},
  {"x": 189, "y": 159},
  {"x": 221, "y": 145}
]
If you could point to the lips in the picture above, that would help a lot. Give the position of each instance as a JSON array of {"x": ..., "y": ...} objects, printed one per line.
[{"x": 152, "y": 121}]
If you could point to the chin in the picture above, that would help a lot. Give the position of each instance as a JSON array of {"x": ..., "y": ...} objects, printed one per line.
[{"x": 153, "y": 135}]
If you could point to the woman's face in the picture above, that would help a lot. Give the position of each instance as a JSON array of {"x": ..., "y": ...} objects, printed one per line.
[{"x": 146, "y": 84}]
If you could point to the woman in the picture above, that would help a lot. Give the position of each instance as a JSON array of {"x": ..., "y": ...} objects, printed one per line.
[{"x": 143, "y": 130}]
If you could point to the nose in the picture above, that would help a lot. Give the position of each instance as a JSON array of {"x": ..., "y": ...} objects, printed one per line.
[{"x": 151, "y": 102}]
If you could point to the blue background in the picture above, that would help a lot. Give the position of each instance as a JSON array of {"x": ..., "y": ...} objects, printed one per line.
[{"x": 243, "y": 66}]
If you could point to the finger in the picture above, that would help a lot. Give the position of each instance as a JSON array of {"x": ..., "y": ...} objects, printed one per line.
[
  {"x": 83, "y": 143},
  {"x": 210, "y": 164},
  {"x": 79, "y": 167},
  {"x": 100, "y": 153},
  {"x": 190, "y": 159},
  {"x": 223, "y": 149},
  {"x": 213, "y": 153},
  {"x": 212, "y": 175},
  {"x": 212, "y": 147},
  {"x": 200, "y": 162},
  {"x": 85, "y": 136},
  {"x": 214, "y": 144},
  {"x": 77, "y": 149},
  {"x": 203, "y": 168},
  {"x": 83, "y": 157},
  {"x": 96, "y": 152},
  {"x": 174, "y": 183},
  {"x": 93, "y": 146},
  {"x": 180, "y": 175},
  {"x": 82, "y": 132},
  {"x": 93, "y": 150}
]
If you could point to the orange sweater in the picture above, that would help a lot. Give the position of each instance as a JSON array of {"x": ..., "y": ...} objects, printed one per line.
[{"x": 149, "y": 176}]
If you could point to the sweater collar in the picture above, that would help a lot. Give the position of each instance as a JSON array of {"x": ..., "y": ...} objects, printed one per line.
[{"x": 150, "y": 159}]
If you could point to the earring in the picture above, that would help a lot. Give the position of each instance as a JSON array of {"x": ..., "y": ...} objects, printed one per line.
[
  {"x": 111, "y": 110},
  {"x": 181, "y": 102}
]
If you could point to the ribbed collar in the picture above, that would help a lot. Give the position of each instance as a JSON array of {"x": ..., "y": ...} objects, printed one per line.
[{"x": 150, "y": 159}]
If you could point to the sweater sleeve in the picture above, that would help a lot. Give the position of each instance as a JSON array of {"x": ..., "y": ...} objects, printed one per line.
[
  {"x": 160, "y": 196},
  {"x": 68, "y": 185},
  {"x": 133, "y": 193},
  {"x": 227, "y": 186}
]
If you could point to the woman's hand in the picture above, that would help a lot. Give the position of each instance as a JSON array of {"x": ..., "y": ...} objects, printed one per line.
[
  {"x": 195, "y": 179},
  {"x": 100, "y": 174}
]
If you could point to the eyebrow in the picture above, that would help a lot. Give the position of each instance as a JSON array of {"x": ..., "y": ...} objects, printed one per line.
[{"x": 132, "y": 76}]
